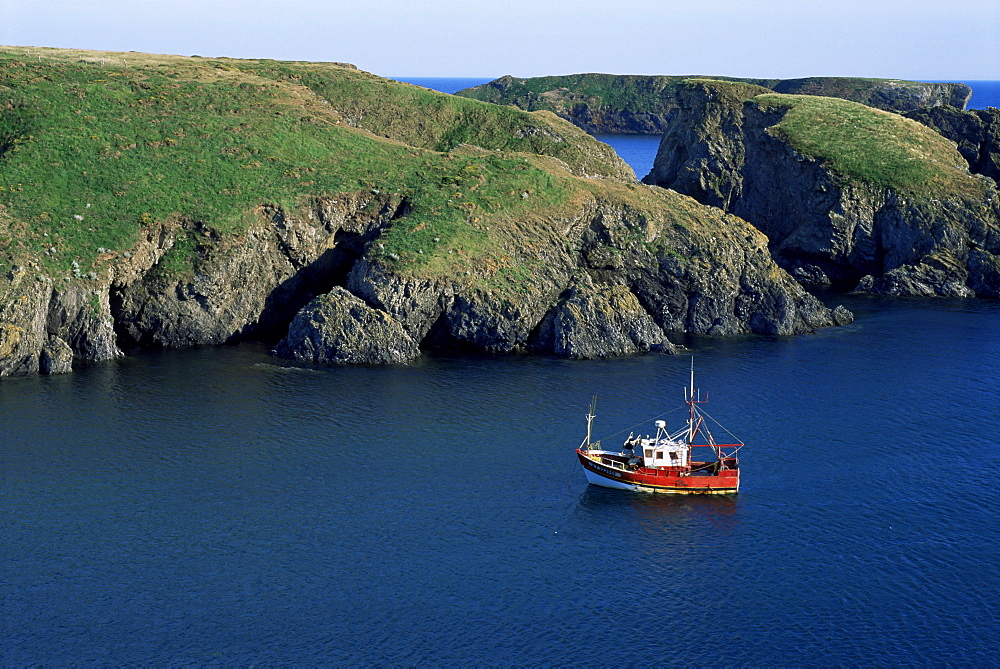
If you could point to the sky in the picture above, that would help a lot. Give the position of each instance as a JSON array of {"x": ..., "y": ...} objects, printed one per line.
[{"x": 906, "y": 39}]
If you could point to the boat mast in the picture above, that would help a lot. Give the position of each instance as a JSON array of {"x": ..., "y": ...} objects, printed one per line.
[
  {"x": 691, "y": 406},
  {"x": 591, "y": 416}
]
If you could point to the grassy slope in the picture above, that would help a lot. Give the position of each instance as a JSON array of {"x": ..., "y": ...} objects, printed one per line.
[
  {"x": 861, "y": 143},
  {"x": 873, "y": 146},
  {"x": 443, "y": 122},
  {"x": 92, "y": 153}
]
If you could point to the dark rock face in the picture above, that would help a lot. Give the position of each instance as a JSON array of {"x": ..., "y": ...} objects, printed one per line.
[
  {"x": 822, "y": 228},
  {"x": 40, "y": 323},
  {"x": 600, "y": 120},
  {"x": 56, "y": 357},
  {"x": 24, "y": 304},
  {"x": 592, "y": 323},
  {"x": 977, "y": 133},
  {"x": 892, "y": 95},
  {"x": 607, "y": 280},
  {"x": 81, "y": 318},
  {"x": 610, "y": 293},
  {"x": 340, "y": 329},
  {"x": 251, "y": 285}
]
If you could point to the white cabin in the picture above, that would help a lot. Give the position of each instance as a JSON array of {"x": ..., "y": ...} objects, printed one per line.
[{"x": 661, "y": 451}]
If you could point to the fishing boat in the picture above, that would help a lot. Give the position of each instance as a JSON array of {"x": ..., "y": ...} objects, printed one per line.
[{"x": 685, "y": 461}]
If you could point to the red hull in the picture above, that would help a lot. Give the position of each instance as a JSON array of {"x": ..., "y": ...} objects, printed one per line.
[{"x": 612, "y": 470}]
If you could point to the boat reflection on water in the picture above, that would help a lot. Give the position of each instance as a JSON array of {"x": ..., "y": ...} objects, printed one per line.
[
  {"x": 685, "y": 525},
  {"x": 720, "y": 506}
]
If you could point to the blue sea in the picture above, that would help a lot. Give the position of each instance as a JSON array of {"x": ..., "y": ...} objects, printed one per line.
[
  {"x": 984, "y": 94},
  {"x": 218, "y": 506}
]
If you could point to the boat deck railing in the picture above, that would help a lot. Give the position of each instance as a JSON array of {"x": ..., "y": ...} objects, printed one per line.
[{"x": 712, "y": 468}]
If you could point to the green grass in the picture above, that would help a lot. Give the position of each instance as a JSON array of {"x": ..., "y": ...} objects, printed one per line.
[
  {"x": 877, "y": 147},
  {"x": 443, "y": 122},
  {"x": 557, "y": 93},
  {"x": 91, "y": 155}
]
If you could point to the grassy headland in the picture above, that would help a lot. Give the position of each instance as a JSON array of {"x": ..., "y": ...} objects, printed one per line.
[
  {"x": 94, "y": 147},
  {"x": 877, "y": 147},
  {"x": 858, "y": 142}
]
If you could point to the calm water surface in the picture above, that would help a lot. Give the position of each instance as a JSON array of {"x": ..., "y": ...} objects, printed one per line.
[{"x": 218, "y": 506}]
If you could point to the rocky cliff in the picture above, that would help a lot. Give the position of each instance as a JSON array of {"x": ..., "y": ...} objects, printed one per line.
[
  {"x": 183, "y": 202},
  {"x": 620, "y": 104},
  {"x": 846, "y": 194},
  {"x": 976, "y": 132},
  {"x": 608, "y": 278}
]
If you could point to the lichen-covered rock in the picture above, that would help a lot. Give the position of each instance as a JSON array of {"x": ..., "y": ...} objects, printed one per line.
[
  {"x": 341, "y": 329},
  {"x": 671, "y": 265},
  {"x": 80, "y": 317},
  {"x": 644, "y": 276},
  {"x": 598, "y": 322},
  {"x": 24, "y": 301},
  {"x": 56, "y": 357},
  {"x": 939, "y": 273},
  {"x": 841, "y": 316}
]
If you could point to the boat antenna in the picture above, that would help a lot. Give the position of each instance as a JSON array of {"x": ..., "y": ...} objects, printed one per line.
[{"x": 692, "y": 376}]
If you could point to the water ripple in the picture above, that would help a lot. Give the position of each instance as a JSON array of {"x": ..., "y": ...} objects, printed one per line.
[{"x": 223, "y": 507}]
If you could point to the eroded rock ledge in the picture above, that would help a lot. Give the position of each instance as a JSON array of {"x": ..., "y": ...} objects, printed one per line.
[{"x": 614, "y": 281}]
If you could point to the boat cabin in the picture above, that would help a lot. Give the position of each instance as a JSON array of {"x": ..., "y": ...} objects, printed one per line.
[{"x": 660, "y": 451}]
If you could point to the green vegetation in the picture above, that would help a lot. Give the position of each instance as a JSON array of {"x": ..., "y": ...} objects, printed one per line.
[
  {"x": 877, "y": 147},
  {"x": 95, "y": 147},
  {"x": 444, "y": 122},
  {"x": 731, "y": 92},
  {"x": 635, "y": 93},
  {"x": 657, "y": 94}
]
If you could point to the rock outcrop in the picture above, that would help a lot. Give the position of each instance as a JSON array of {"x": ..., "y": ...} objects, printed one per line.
[
  {"x": 339, "y": 328},
  {"x": 615, "y": 280},
  {"x": 827, "y": 225},
  {"x": 252, "y": 284},
  {"x": 976, "y": 132},
  {"x": 56, "y": 357},
  {"x": 636, "y": 104},
  {"x": 24, "y": 302},
  {"x": 592, "y": 323}
]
